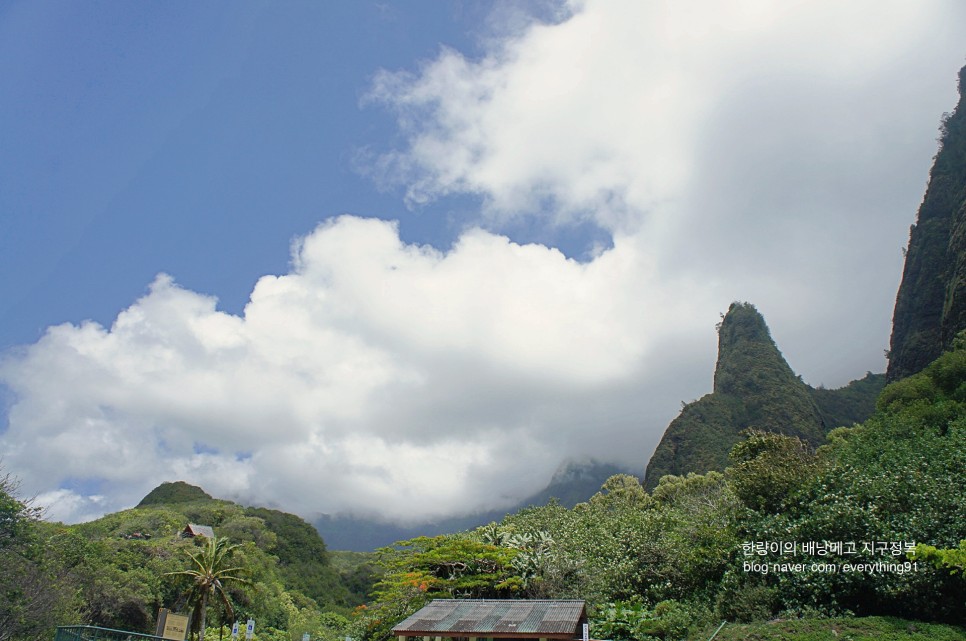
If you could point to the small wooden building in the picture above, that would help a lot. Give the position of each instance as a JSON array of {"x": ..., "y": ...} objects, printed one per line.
[
  {"x": 479, "y": 619},
  {"x": 193, "y": 529}
]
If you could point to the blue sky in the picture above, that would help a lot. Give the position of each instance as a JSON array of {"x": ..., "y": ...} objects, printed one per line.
[
  {"x": 198, "y": 141},
  {"x": 369, "y": 248}
]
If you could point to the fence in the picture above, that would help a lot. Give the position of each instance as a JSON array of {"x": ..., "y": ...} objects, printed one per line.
[{"x": 91, "y": 633}]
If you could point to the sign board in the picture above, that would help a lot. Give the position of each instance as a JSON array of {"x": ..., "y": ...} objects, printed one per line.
[
  {"x": 250, "y": 629},
  {"x": 586, "y": 632},
  {"x": 305, "y": 636},
  {"x": 234, "y": 630},
  {"x": 172, "y": 626}
]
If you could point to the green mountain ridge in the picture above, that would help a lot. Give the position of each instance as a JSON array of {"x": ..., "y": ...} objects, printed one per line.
[
  {"x": 851, "y": 404},
  {"x": 301, "y": 558},
  {"x": 754, "y": 387}
]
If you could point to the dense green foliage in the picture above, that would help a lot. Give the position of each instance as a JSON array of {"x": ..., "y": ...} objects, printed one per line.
[
  {"x": 358, "y": 572},
  {"x": 15, "y": 514},
  {"x": 931, "y": 304},
  {"x": 699, "y": 439},
  {"x": 117, "y": 571},
  {"x": 875, "y": 516},
  {"x": 769, "y": 469},
  {"x": 624, "y": 547},
  {"x": 303, "y": 560},
  {"x": 899, "y": 478},
  {"x": 31, "y": 590},
  {"x": 453, "y": 566},
  {"x": 754, "y": 388},
  {"x": 953, "y": 559}
]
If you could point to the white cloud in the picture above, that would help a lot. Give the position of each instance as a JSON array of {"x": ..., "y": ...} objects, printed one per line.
[
  {"x": 778, "y": 149},
  {"x": 376, "y": 377},
  {"x": 607, "y": 111},
  {"x": 755, "y": 151},
  {"x": 68, "y": 505}
]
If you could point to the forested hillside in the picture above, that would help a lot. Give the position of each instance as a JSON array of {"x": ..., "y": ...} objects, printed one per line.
[
  {"x": 785, "y": 531},
  {"x": 116, "y": 572},
  {"x": 851, "y": 404}
]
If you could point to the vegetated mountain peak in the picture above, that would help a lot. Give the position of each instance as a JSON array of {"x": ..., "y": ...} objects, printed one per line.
[
  {"x": 751, "y": 369},
  {"x": 754, "y": 387},
  {"x": 745, "y": 347},
  {"x": 931, "y": 302},
  {"x": 176, "y": 492},
  {"x": 742, "y": 323}
]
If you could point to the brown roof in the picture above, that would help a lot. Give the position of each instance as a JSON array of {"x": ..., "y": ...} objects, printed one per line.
[{"x": 496, "y": 618}]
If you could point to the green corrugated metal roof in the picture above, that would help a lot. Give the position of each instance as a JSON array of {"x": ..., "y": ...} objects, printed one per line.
[{"x": 492, "y": 617}]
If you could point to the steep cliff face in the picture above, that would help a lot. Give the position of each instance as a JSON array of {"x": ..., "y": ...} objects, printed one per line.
[
  {"x": 931, "y": 303},
  {"x": 753, "y": 388}
]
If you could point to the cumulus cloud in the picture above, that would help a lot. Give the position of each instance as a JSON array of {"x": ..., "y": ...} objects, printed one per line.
[
  {"x": 752, "y": 151},
  {"x": 376, "y": 377},
  {"x": 69, "y": 505},
  {"x": 612, "y": 109}
]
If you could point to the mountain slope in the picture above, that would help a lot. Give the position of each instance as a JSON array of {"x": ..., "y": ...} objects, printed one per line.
[
  {"x": 931, "y": 302},
  {"x": 754, "y": 387},
  {"x": 854, "y": 403}
]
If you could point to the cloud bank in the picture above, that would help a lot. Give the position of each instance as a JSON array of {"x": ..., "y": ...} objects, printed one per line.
[
  {"x": 376, "y": 377},
  {"x": 750, "y": 151}
]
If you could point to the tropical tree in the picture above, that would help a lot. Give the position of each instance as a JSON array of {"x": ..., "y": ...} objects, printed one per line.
[
  {"x": 16, "y": 515},
  {"x": 449, "y": 566},
  {"x": 209, "y": 575},
  {"x": 32, "y": 597}
]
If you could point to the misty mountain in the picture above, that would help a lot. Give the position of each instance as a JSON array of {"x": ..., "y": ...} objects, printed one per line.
[
  {"x": 754, "y": 387},
  {"x": 571, "y": 484},
  {"x": 931, "y": 303}
]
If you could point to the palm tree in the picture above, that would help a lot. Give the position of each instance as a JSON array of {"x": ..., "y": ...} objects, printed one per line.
[{"x": 209, "y": 576}]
